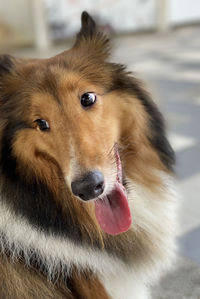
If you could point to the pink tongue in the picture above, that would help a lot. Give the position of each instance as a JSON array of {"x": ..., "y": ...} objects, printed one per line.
[{"x": 113, "y": 212}]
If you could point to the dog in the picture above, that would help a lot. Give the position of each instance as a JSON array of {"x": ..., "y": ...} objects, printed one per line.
[{"x": 87, "y": 200}]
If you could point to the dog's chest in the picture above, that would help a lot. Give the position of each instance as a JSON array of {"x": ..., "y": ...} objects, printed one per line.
[{"x": 125, "y": 286}]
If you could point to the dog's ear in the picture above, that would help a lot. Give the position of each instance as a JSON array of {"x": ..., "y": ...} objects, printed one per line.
[
  {"x": 90, "y": 39},
  {"x": 10, "y": 64},
  {"x": 88, "y": 26},
  {"x": 9, "y": 67},
  {"x": 6, "y": 64}
]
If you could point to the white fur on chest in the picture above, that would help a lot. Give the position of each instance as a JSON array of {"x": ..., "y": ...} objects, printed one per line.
[
  {"x": 154, "y": 215},
  {"x": 126, "y": 286}
]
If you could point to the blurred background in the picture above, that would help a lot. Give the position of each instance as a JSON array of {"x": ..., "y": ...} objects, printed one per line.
[{"x": 159, "y": 40}]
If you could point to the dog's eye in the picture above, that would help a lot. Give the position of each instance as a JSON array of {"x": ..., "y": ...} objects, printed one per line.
[
  {"x": 88, "y": 99},
  {"x": 42, "y": 124}
]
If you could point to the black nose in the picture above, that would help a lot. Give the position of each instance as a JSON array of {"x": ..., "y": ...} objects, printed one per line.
[{"x": 90, "y": 186}]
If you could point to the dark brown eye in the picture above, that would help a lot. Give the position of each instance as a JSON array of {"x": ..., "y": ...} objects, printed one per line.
[
  {"x": 42, "y": 124},
  {"x": 88, "y": 99}
]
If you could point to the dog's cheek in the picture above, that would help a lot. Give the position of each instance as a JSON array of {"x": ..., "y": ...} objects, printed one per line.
[{"x": 25, "y": 148}]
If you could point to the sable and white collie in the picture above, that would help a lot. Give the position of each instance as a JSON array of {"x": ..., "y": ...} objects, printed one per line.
[{"x": 87, "y": 207}]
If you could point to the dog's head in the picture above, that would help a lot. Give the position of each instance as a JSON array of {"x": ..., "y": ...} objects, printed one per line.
[{"x": 77, "y": 128}]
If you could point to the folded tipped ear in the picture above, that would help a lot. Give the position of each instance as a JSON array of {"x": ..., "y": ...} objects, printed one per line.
[
  {"x": 88, "y": 26},
  {"x": 6, "y": 64},
  {"x": 90, "y": 39}
]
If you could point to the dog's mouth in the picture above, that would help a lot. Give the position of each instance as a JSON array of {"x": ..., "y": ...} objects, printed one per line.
[{"x": 112, "y": 211}]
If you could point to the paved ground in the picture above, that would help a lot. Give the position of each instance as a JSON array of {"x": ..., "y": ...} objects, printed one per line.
[{"x": 170, "y": 65}]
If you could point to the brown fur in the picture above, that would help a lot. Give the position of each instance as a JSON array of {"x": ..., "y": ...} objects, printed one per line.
[
  {"x": 69, "y": 120},
  {"x": 51, "y": 89},
  {"x": 21, "y": 282}
]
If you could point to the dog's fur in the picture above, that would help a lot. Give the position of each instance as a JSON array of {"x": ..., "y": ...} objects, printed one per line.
[{"x": 50, "y": 241}]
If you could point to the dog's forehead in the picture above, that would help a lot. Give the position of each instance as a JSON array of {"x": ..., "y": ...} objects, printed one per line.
[
  {"x": 63, "y": 79},
  {"x": 57, "y": 87}
]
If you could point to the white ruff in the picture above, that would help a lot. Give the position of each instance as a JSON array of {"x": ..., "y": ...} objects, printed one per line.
[
  {"x": 150, "y": 212},
  {"x": 156, "y": 215}
]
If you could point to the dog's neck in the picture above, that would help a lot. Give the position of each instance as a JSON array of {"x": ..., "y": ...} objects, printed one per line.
[
  {"x": 55, "y": 254},
  {"x": 59, "y": 254}
]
